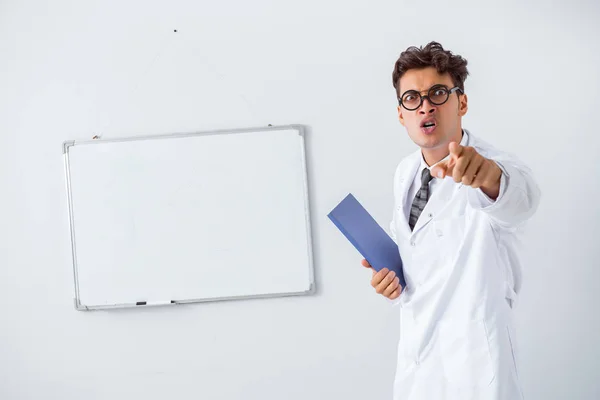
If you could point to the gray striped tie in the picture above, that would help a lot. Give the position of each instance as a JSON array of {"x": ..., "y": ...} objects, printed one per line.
[{"x": 420, "y": 199}]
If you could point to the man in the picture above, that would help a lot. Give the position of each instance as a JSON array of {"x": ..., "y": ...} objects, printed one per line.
[{"x": 460, "y": 205}]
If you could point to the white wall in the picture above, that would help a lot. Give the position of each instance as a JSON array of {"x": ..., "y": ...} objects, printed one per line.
[{"x": 72, "y": 69}]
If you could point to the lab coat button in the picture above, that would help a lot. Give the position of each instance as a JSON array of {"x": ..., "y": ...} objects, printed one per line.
[
  {"x": 430, "y": 215},
  {"x": 413, "y": 244}
]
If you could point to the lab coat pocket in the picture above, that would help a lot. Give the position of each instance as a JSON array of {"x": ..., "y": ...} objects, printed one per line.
[{"x": 465, "y": 353}]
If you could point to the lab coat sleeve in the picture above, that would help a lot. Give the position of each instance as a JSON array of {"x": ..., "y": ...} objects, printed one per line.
[
  {"x": 518, "y": 199},
  {"x": 397, "y": 300},
  {"x": 393, "y": 229},
  {"x": 395, "y": 197},
  {"x": 394, "y": 237}
]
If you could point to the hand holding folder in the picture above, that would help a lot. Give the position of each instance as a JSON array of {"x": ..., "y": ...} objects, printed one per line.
[
  {"x": 385, "y": 282},
  {"x": 365, "y": 234}
]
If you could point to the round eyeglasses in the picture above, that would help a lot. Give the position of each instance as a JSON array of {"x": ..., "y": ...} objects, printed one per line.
[{"x": 437, "y": 95}]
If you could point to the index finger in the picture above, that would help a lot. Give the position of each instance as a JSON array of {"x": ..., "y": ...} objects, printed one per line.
[{"x": 455, "y": 149}]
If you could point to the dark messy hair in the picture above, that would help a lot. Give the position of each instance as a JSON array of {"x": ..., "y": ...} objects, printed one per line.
[{"x": 432, "y": 55}]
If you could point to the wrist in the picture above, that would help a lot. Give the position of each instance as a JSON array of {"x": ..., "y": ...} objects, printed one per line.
[{"x": 492, "y": 187}]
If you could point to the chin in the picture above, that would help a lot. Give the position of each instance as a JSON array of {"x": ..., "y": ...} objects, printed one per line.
[{"x": 427, "y": 141}]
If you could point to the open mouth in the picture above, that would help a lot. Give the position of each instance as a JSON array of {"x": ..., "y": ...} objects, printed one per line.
[{"x": 428, "y": 126}]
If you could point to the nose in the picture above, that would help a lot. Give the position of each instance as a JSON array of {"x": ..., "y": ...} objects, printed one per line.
[{"x": 427, "y": 107}]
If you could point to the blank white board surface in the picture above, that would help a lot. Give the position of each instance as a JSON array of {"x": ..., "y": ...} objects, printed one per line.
[{"x": 184, "y": 218}]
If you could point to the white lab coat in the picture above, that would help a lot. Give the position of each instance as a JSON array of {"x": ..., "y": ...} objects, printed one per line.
[{"x": 463, "y": 275}]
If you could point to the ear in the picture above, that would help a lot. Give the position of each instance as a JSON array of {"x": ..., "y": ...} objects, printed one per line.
[
  {"x": 401, "y": 115},
  {"x": 463, "y": 106}
]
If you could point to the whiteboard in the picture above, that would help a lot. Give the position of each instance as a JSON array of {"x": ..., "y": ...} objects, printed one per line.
[{"x": 182, "y": 218}]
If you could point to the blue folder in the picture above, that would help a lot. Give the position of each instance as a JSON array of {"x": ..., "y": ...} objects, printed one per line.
[{"x": 371, "y": 241}]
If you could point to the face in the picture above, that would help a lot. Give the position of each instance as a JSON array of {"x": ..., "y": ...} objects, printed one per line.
[{"x": 446, "y": 118}]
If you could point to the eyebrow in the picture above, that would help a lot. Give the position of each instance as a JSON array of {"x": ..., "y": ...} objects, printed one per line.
[{"x": 426, "y": 90}]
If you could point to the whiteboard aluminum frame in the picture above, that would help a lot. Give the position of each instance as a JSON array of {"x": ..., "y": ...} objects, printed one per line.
[{"x": 84, "y": 307}]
